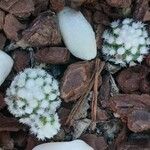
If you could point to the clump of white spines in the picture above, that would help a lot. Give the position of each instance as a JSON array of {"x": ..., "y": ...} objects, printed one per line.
[
  {"x": 126, "y": 42},
  {"x": 34, "y": 97}
]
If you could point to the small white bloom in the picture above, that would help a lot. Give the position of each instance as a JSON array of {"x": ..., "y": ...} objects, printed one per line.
[
  {"x": 115, "y": 24},
  {"x": 129, "y": 58},
  {"x": 33, "y": 100},
  {"x": 117, "y": 31},
  {"x": 134, "y": 50},
  {"x": 142, "y": 40},
  {"x": 138, "y": 32},
  {"x": 121, "y": 51},
  {"x": 128, "y": 45},
  {"x": 143, "y": 50},
  {"x": 111, "y": 40},
  {"x": 119, "y": 41},
  {"x": 112, "y": 52},
  {"x": 140, "y": 58},
  {"x": 127, "y": 21}
]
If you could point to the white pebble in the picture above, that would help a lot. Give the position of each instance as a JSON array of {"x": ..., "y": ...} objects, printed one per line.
[
  {"x": 73, "y": 145},
  {"x": 77, "y": 34},
  {"x": 6, "y": 64}
]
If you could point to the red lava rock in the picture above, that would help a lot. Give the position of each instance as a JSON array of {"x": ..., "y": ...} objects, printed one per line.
[
  {"x": 139, "y": 120},
  {"x": 20, "y": 8},
  {"x": 11, "y": 27},
  {"x": 101, "y": 115},
  {"x": 123, "y": 104},
  {"x": 140, "y": 8},
  {"x": 21, "y": 60},
  {"x": 2, "y": 40},
  {"x": 119, "y": 3},
  {"x": 42, "y": 32},
  {"x": 52, "y": 55},
  {"x": 104, "y": 92},
  {"x": 75, "y": 80},
  {"x": 2, "y": 16},
  {"x": 9, "y": 124},
  {"x": 6, "y": 141},
  {"x": 129, "y": 79},
  {"x": 57, "y": 5},
  {"x": 40, "y": 5},
  {"x": 98, "y": 143},
  {"x": 2, "y": 102}
]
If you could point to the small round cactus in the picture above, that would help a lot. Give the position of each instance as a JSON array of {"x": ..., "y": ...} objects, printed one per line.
[
  {"x": 34, "y": 97},
  {"x": 126, "y": 42}
]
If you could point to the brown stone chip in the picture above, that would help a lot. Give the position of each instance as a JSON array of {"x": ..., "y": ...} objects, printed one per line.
[
  {"x": 9, "y": 124},
  {"x": 139, "y": 120},
  {"x": 42, "y": 32},
  {"x": 2, "y": 16},
  {"x": 57, "y": 5},
  {"x": 6, "y": 142},
  {"x": 123, "y": 104},
  {"x": 21, "y": 60},
  {"x": 11, "y": 27},
  {"x": 20, "y": 8},
  {"x": 31, "y": 143},
  {"x": 141, "y": 8},
  {"x": 75, "y": 80},
  {"x": 52, "y": 55},
  {"x": 98, "y": 143},
  {"x": 40, "y": 5},
  {"x": 119, "y": 3},
  {"x": 2, "y": 40},
  {"x": 2, "y": 102},
  {"x": 129, "y": 79},
  {"x": 104, "y": 92},
  {"x": 101, "y": 115}
]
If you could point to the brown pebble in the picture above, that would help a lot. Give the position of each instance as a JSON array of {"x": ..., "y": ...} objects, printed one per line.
[
  {"x": 57, "y": 5},
  {"x": 21, "y": 60},
  {"x": 52, "y": 55},
  {"x": 119, "y": 3},
  {"x": 101, "y": 115},
  {"x": 75, "y": 80},
  {"x": 11, "y": 27},
  {"x": 97, "y": 143},
  {"x": 2, "y": 102},
  {"x": 122, "y": 104},
  {"x": 42, "y": 32},
  {"x": 129, "y": 79},
  {"x": 2, "y": 17},
  {"x": 2, "y": 40},
  {"x": 19, "y": 8},
  {"x": 139, "y": 120}
]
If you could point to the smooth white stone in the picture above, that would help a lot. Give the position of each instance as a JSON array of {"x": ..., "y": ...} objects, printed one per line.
[
  {"x": 73, "y": 145},
  {"x": 6, "y": 64},
  {"x": 77, "y": 34}
]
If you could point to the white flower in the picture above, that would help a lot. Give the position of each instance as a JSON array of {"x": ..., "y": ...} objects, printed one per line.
[
  {"x": 134, "y": 50},
  {"x": 121, "y": 51},
  {"x": 140, "y": 58},
  {"x": 126, "y": 43},
  {"x": 36, "y": 98},
  {"x": 129, "y": 58},
  {"x": 127, "y": 21}
]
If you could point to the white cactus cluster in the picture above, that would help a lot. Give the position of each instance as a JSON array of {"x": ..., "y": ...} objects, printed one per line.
[
  {"x": 34, "y": 97},
  {"x": 126, "y": 42}
]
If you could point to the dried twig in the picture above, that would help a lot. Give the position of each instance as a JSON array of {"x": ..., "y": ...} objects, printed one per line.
[
  {"x": 99, "y": 67},
  {"x": 90, "y": 85}
]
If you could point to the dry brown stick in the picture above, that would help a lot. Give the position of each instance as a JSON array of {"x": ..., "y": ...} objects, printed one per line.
[
  {"x": 79, "y": 103},
  {"x": 99, "y": 67}
]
